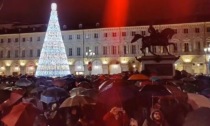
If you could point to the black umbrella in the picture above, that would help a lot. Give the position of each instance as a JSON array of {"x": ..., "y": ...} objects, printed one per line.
[
  {"x": 23, "y": 82},
  {"x": 4, "y": 95},
  {"x": 115, "y": 94},
  {"x": 90, "y": 93},
  {"x": 53, "y": 94},
  {"x": 148, "y": 92},
  {"x": 206, "y": 92}
]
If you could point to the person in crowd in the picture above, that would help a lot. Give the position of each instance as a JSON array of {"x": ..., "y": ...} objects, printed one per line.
[
  {"x": 54, "y": 118},
  {"x": 156, "y": 119},
  {"x": 72, "y": 116},
  {"x": 116, "y": 117},
  {"x": 133, "y": 122}
]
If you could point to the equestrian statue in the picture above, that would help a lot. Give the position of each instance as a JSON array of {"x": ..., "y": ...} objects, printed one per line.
[{"x": 156, "y": 38}]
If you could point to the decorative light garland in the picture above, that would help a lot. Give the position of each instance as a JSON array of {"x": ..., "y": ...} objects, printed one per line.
[{"x": 53, "y": 60}]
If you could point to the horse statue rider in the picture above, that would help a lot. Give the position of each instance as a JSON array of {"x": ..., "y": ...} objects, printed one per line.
[
  {"x": 154, "y": 34},
  {"x": 156, "y": 38}
]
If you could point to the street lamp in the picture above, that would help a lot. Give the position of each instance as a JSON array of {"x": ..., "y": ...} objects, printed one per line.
[
  {"x": 89, "y": 55},
  {"x": 207, "y": 51}
]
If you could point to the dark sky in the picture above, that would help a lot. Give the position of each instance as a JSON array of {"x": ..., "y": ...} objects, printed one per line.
[{"x": 88, "y": 12}]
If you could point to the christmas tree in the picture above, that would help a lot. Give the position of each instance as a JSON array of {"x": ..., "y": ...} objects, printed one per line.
[{"x": 53, "y": 60}]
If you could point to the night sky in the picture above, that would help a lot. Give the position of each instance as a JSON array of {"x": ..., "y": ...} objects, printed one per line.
[{"x": 108, "y": 13}]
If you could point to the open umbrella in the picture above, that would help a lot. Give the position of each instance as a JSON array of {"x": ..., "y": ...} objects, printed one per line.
[
  {"x": 37, "y": 90},
  {"x": 197, "y": 101},
  {"x": 77, "y": 100},
  {"x": 198, "y": 117},
  {"x": 12, "y": 88},
  {"x": 76, "y": 91},
  {"x": 138, "y": 77},
  {"x": 59, "y": 82},
  {"x": 84, "y": 84},
  {"x": 115, "y": 94},
  {"x": 148, "y": 92},
  {"x": 22, "y": 114},
  {"x": 206, "y": 92},
  {"x": 23, "y": 82},
  {"x": 92, "y": 93},
  {"x": 53, "y": 94},
  {"x": 14, "y": 97},
  {"x": 4, "y": 95}
]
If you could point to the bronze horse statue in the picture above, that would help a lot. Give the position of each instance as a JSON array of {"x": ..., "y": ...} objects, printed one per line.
[{"x": 161, "y": 40}]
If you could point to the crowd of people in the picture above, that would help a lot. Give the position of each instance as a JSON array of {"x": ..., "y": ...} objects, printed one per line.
[{"x": 116, "y": 100}]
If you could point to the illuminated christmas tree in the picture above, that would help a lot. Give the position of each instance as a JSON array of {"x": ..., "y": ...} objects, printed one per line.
[{"x": 53, "y": 60}]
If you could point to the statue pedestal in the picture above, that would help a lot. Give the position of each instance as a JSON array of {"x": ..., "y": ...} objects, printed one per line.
[{"x": 163, "y": 66}]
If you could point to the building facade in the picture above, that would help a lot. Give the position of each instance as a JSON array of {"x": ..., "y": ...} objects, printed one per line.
[{"x": 112, "y": 48}]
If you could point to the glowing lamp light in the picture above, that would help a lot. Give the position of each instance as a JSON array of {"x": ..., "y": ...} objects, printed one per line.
[
  {"x": 124, "y": 61},
  {"x": 187, "y": 60},
  {"x": 97, "y": 67},
  {"x": 175, "y": 64},
  {"x": 31, "y": 68},
  {"x": 16, "y": 68},
  {"x": 8, "y": 64},
  {"x": 70, "y": 63},
  {"x": 2, "y": 68},
  {"x": 134, "y": 65},
  {"x": 22, "y": 64}
]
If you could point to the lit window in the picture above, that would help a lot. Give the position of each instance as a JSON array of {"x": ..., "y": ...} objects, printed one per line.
[
  {"x": 133, "y": 49},
  {"x": 70, "y": 51},
  {"x": 114, "y": 34},
  {"x": 70, "y": 37},
  {"x": 123, "y": 33},
  {"x": 95, "y": 35},
  {"x": 185, "y": 30},
  {"x": 78, "y": 51},
  {"x": 133, "y": 33},
  {"x": 78, "y": 36},
  {"x": 197, "y": 30},
  {"x": 9, "y": 40},
  {"x": 186, "y": 47},
  {"x": 105, "y": 35},
  {"x": 104, "y": 50}
]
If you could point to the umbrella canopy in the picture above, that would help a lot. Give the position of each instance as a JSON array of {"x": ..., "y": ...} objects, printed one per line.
[
  {"x": 116, "y": 76},
  {"x": 90, "y": 93},
  {"x": 199, "y": 117},
  {"x": 77, "y": 100},
  {"x": 53, "y": 94},
  {"x": 23, "y": 82},
  {"x": 4, "y": 95},
  {"x": 104, "y": 84},
  {"x": 76, "y": 91},
  {"x": 206, "y": 92},
  {"x": 188, "y": 79},
  {"x": 178, "y": 93},
  {"x": 138, "y": 77},
  {"x": 115, "y": 94},
  {"x": 12, "y": 88},
  {"x": 22, "y": 114},
  {"x": 197, "y": 101},
  {"x": 59, "y": 82},
  {"x": 39, "y": 89},
  {"x": 147, "y": 92},
  {"x": 14, "y": 97},
  {"x": 84, "y": 84}
]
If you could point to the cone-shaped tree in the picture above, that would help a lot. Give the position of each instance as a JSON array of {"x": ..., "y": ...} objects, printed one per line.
[{"x": 53, "y": 60}]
